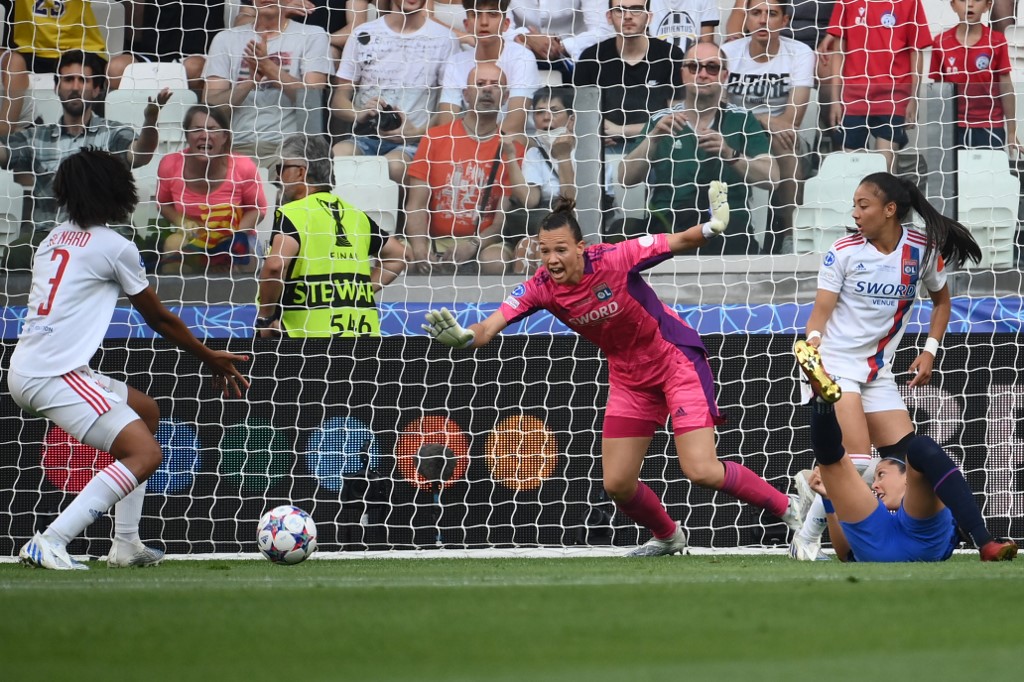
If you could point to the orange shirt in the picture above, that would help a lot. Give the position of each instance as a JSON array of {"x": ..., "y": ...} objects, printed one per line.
[{"x": 456, "y": 167}]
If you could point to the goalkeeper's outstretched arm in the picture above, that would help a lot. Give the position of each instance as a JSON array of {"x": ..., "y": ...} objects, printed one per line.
[
  {"x": 442, "y": 326},
  {"x": 699, "y": 235}
]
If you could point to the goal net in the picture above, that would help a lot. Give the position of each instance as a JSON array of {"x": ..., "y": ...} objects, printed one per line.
[{"x": 393, "y": 442}]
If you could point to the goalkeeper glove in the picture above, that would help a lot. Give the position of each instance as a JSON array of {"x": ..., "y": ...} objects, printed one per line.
[
  {"x": 441, "y": 325},
  {"x": 718, "y": 199}
]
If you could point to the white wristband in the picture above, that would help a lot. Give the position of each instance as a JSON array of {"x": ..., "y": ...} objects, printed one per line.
[
  {"x": 814, "y": 334},
  {"x": 931, "y": 345},
  {"x": 708, "y": 232}
]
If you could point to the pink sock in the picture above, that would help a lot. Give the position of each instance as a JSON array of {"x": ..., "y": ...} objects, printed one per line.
[
  {"x": 646, "y": 509},
  {"x": 745, "y": 485}
]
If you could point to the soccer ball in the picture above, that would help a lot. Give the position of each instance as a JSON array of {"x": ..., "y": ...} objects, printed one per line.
[{"x": 287, "y": 535}]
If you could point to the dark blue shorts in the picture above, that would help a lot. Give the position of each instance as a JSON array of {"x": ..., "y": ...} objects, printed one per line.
[
  {"x": 887, "y": 537},
  {"x": 854, "y": 130},
  {"x": 980, "y": 138}
]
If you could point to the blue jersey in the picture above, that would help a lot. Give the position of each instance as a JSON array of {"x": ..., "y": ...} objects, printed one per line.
[{"x": 888, "y": 537}]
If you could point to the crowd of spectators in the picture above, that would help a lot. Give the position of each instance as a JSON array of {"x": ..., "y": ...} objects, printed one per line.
[{"x": 462, "y": 97}]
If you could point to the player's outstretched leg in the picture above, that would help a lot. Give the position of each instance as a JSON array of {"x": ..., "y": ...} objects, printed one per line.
[
  {"x": 809, "y": 360},
  {"x": 928, "y": 457},
  {"x": 700, "y": 464}
]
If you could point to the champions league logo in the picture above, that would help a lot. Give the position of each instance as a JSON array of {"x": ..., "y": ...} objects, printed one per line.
[
  {"x": 830, "y": 258},
  {"x": 889, "y": 20},
  {"x": 982, "y": 62},
  {"x": 519, "y": 290}
]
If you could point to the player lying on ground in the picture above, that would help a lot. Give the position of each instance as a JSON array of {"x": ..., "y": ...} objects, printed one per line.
[
  {"x": 657, "y": 364},
  {"x": 910, "y": 512},
  {"x": 867, "y": 286},
  {"x": 78, "y": 272}
]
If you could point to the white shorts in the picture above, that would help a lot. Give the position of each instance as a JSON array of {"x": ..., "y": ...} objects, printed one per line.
[
  {"x": 880, "y": 395},
  {"x": 91, "y": 407}
]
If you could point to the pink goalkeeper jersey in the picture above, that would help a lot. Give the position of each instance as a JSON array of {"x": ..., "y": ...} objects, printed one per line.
[{"x": 614, "y": 307}]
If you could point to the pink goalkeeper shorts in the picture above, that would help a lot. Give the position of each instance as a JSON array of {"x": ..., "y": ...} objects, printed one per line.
[{"x": 679, "y": 385}]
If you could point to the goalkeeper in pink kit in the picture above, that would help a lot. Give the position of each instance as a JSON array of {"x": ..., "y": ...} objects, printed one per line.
[{"x": 657, "y": 364}]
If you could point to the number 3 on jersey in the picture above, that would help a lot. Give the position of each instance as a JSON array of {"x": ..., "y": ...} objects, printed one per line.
[{"x": 64, "y": 256}]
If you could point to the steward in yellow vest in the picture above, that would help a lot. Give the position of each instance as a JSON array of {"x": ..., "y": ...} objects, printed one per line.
[{"x": 327, "y": 259}]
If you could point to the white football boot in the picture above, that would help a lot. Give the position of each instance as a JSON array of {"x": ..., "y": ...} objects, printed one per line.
[
  {"x": 655, "y": 547},
  {"x": 124, "y": 554},
  {"x": 43, "y": 553},
  {"x": 793, "y": 516},
  {"x": 803, "y": 550}
]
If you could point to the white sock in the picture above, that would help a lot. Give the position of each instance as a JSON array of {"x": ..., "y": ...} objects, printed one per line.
[
  {"x": 128, "y": 513},
  {"x": 106, "y": 488},
  {"x": 815, "y": 523}
]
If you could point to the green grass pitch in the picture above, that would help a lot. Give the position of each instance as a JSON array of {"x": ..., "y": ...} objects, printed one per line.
[{"x": 673, "y": 618}]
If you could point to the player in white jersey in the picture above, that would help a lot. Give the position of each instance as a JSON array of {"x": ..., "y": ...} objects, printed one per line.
[
  {"x": 79, "y": 271},
  {"x": 867, "y": 284}
]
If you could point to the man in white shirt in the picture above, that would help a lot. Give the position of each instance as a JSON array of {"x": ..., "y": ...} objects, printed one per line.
[
  {"x": 388, "y": 84},
  {"x": 272, "y": 74},
  {"x": 683, "y": 22},
  {"x": 772, "y": 76},
  {"x": 486, "y": 21},
  {"x": 558, "y": 31}
]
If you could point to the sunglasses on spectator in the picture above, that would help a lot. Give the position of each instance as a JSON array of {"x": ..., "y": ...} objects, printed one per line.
[
  {"x": 713, "y": 68},
  {"x": 634, "y": 10}
]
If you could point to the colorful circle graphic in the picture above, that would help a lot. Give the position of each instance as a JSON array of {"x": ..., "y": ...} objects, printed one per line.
[
  {"x": 180, "y": 444},
  {"x": 254, "y": 455},
  {"x": 68, "y": 464},
  {"x": 336, "y": 449},
  {"x": 521, "y": 452},
  {"x": 425, "y": 430}
]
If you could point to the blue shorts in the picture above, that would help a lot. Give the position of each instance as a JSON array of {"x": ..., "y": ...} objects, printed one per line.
[
  {"x": 371, "y": 145},
  {"x": 886, "y": 537},
  {"x": 854, "y": 130},
  {"x": 980, "y": 138}
]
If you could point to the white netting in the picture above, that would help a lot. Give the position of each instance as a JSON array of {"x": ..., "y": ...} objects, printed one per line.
[{"x": 397, "y": 443}]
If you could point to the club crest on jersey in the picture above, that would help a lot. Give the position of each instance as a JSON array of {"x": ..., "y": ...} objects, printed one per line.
[
  {"x": 889, "y": 20},
  {"x": 982, "y": 62},
  {"x": 910, "y": 266},
  {"x": 602, "y": 291}
]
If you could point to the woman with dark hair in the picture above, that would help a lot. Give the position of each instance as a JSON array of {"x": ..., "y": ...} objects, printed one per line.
[
  {"x": 867, "y": 284},
  {"x": 657, "y": 364},
  {"x": 213, "y": 196},
  {"x": 79, "y": 271}
]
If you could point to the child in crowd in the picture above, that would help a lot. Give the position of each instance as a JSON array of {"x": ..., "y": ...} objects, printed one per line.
[{"x": 975, "y": 59}]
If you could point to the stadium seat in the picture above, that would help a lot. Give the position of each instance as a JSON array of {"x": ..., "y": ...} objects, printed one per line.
[
  {"x": 110, "y": 19},
  {"x": 147, "y": 212},
  {"x": 128, "y": 105},
  {"x": 825, "y": 214},
  {"x": 11, "y": 207},
  {"x": 364, "y": 182},
  {"x": 988, "y": 201},
  {"x": 155, "y": 76},
  {"x": 266, "y": 225},
  {"x": 47, "y": 107}
]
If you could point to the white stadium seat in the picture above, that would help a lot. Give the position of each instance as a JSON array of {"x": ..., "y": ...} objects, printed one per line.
[
  {"x": 11, "y": 206},
  {"x": 363, "y": 181},
  {"x": 828, "y": 198},
  {"x": 110, "y": 19},
  {"x": 988, "y": 200},
  {"x": 145, "y": 183},
  {"x": 154, "y": 76},
  {"x": 129, "y": 106}
]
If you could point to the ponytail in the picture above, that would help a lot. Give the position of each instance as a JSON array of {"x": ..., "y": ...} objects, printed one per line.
[
  {"x": 953, "y": 240},
  {"x": 563, "y": 213}
]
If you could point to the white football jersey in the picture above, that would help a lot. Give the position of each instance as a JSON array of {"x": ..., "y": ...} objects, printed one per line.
[
  {"x": 876, "y": 292},
  {"x": 77, "y": 276}
]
